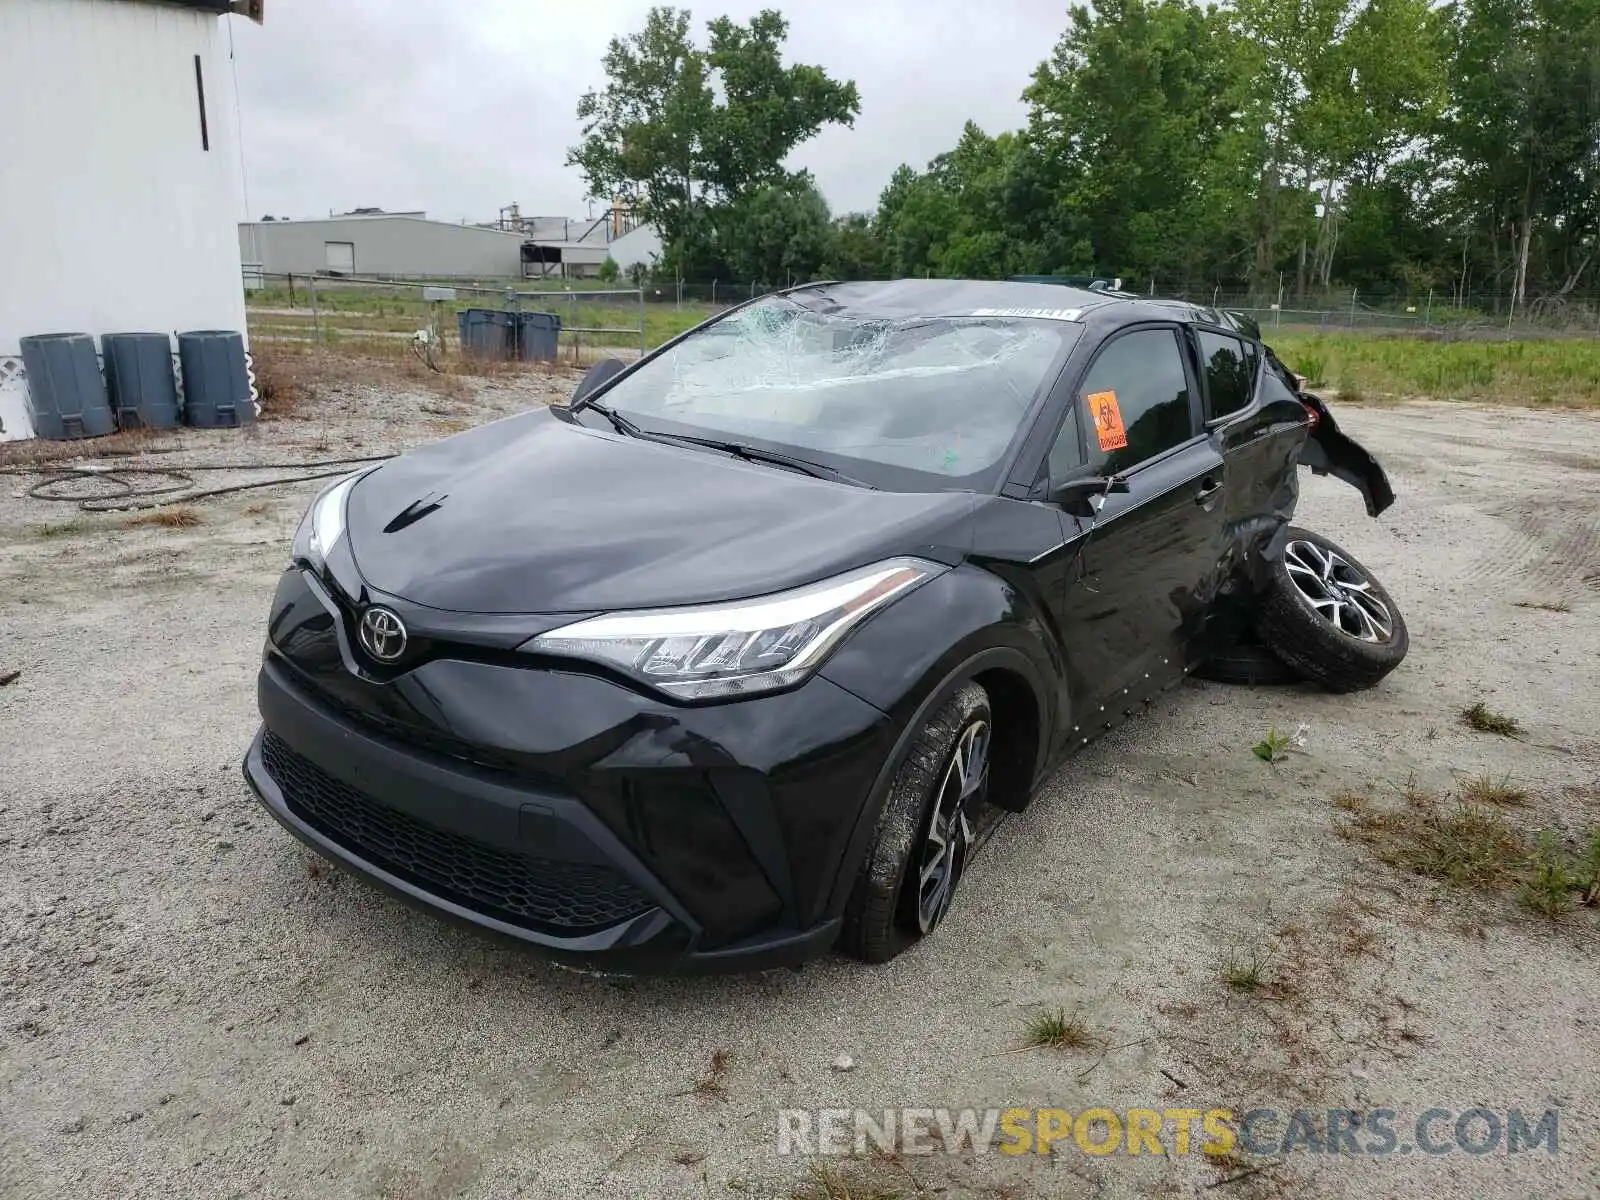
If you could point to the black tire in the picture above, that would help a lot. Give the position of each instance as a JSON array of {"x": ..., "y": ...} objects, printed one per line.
[
  {"x": 1346, "y": 640},
  {"x": 884, "y": 914},
  {"x": 1245, "y": 660}
]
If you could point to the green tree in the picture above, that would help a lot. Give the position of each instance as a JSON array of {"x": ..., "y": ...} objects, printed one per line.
[
  {"x": 855, "y": 250},
  {"x": 777, "y": 234},
  {"x": 1524, "y": 133},
  {"x": 1359, "y": 82},
  {"x": 1140, "y": 113},
  {"x": 643, "y": 135},
  {"x": 914, "y": 216},
  {"x": 978, "y": 210},
  {"x": 682, "y": 131}
]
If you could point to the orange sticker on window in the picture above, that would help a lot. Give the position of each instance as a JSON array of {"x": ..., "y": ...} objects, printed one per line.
[{"x": 1107, "y": 420}]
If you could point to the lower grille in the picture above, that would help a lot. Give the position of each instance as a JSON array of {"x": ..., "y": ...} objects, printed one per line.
[{"x": 538, "y": 893}]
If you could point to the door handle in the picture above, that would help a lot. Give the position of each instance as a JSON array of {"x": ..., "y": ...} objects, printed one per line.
[{"x": 1208, "y": 492}]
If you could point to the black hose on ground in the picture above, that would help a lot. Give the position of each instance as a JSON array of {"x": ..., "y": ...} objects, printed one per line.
[{"x": 117, "y": 489}]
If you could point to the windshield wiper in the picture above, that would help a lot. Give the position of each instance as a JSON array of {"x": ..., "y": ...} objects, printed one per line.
[
  {"x": 618, "y": 422},
  {"x": 738, "y": 449},
  {"x": 778, "y": 459}
]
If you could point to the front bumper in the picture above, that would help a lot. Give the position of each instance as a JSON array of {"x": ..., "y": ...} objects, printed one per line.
[{"x": 607, "y": 829}]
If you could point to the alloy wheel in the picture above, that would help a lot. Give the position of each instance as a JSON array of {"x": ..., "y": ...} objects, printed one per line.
[
  {"x": 949, "y": 836},
  {"x": 1338, "y": 592}
]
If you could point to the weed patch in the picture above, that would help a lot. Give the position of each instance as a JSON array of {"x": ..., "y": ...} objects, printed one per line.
[
  {"x": 1486, "y": 789},
  {"x": 1485, "y": 720},
  {"x": 1588, "y": 869},
  {"x": 1464, "y": 845},
  {"x": 1246, "y": 971},
  {"x": 853, "y": 1181},
  {"x": 1547, "y": 890},
  {"x": 281, "y": 379},
  {"x": 1467, "y": 843},
  {"x": 173, "y": 516},
  {"x": 1053, "y": 1029}
]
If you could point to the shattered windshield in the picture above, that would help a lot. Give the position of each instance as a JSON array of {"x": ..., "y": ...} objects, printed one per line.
[{"x": 941, "y": 396}]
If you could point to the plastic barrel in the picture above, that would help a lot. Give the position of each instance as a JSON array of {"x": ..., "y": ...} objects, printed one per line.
[
  {"x": 537, "y": 336},
  {"x": 139, "y": 380},
  {"x": 486, "y": 332},
  {"x": 66, "y": 395},
  {"x": 216, "y": 383}
]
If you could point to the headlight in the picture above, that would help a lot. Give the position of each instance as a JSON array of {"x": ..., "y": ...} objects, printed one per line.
[
  {"x": 741, "y": 647},
  {"x": 323, "y": 524}
]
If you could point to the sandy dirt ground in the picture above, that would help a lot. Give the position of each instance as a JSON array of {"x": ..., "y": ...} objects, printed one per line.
[{"x": 191, "y": 1005}]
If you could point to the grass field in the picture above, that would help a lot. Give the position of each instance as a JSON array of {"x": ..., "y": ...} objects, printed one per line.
[{"x": 1543, "y": 373}]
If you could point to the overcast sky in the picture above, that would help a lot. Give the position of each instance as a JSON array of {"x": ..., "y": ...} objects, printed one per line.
[{"x": 458, "y": 108}]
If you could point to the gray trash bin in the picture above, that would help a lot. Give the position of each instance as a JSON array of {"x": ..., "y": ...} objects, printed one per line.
[
  {"x": 66, "y": 394},
  {"x": 216, "y": 383},
  {"x": 487, "y": 332},
  {"x": 538, "y": 335},
  {"x": 139, "y": 380}
]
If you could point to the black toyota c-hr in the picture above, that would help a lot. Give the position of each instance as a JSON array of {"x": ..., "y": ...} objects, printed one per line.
[{"x": 728, "y": 661}]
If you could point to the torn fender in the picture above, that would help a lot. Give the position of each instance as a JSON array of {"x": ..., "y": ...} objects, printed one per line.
[{"x": 1329, "y": 451}]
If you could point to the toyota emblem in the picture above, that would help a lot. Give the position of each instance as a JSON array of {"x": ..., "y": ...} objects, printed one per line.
[{"x": 383, "y": 634}]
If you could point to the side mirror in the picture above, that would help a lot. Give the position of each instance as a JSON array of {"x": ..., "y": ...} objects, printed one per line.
[
  {"x": 1084, "y": 496},
  {"x": 597, "y": 376}
]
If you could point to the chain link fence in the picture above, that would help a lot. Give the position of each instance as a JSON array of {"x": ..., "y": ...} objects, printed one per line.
[
  {"x": 1432, "y": 312},
  {"x": 595, "y": 322}
]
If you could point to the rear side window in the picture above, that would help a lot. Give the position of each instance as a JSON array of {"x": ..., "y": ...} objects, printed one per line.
[
  {"x": 1135, "y": 400},
  {"x": 1230, "y": 366}
]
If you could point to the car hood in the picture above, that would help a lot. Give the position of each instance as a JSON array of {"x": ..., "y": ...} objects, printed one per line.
[{"x": 539, "y": 515}]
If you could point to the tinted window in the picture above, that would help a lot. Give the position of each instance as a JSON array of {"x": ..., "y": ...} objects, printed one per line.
[
  {"x": 1067, "y": 453},
  {"x": 1230, "y": 374},
  {"x": 1135, "y": 400}
]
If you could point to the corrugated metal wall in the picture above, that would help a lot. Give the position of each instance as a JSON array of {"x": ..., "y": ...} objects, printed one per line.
[
  {"x": 113, "y": 215},
  {"x": 383, "y": 246}
]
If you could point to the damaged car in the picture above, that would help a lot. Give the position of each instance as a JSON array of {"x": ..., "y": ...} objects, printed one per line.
[{"x": 731, "y": 659}]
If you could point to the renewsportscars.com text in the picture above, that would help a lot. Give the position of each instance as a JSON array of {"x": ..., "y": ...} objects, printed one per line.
[{"x": 1166, "y": 1131}]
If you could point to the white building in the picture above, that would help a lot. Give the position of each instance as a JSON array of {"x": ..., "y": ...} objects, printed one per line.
[
  {"x": 381, "y": 245},
  {"x": 639, "y": 247},
  {"x": 121, "y": 174}
]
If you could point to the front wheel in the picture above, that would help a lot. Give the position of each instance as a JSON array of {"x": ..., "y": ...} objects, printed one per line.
[
  {"x": 924, "y": 834},
  {"x": 1327, "y": 616}
]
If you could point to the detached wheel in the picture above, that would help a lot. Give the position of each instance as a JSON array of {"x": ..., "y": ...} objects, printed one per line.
[
  {"x": 1325, "y": 615},
  {"x": 924, "y": 834}
]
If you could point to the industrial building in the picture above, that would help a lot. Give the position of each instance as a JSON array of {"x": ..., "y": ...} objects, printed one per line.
[
  {"x": 121, "y": 175},
  {"x": 371, "y": 243}
]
